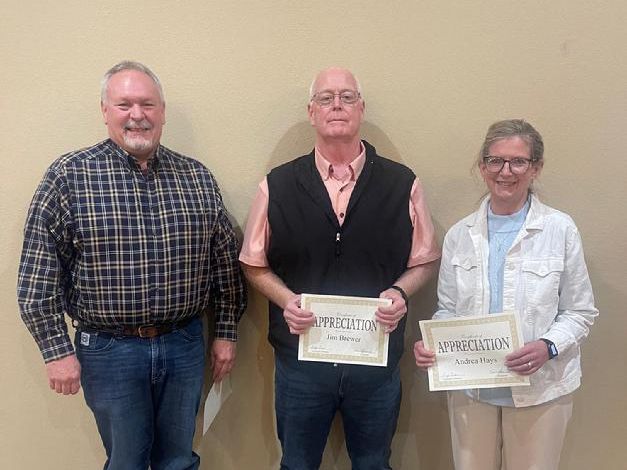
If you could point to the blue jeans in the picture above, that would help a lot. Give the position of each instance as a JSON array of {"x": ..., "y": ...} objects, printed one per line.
[
  {"x": 144, "y": 394},
  {"x": 307, "y": 396}
]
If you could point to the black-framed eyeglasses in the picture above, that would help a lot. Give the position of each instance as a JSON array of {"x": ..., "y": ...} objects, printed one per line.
[
  {"x": 326, "y": 98},
  {"x": 517, "y": 165}
]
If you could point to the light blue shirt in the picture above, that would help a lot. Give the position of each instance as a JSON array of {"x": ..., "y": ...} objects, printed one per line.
[{"x": 502, "y": 231}]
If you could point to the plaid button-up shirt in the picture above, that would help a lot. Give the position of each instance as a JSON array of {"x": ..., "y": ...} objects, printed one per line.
[{"x": 111, "y": 246}]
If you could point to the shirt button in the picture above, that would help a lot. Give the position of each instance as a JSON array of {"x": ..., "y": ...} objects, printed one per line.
[
  {"x": 341, "y": 189},
  {"x": 342, "y": 214}
]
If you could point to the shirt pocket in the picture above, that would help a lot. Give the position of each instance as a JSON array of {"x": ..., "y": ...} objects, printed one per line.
[
  {"x": 542, "y": 280},
  {"x": 466, "y": 271}
]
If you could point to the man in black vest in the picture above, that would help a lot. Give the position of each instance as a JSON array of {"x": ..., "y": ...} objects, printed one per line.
[{"x": 341, "y": 220}]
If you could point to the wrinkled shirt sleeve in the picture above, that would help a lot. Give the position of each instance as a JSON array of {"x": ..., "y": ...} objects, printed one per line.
[
  {"x": 43, "y": 272},
  {"x": 228, "y": 290}
]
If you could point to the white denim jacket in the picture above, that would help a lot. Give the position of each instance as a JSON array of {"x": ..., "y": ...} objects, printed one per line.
[{"x": 545, "y": 282}]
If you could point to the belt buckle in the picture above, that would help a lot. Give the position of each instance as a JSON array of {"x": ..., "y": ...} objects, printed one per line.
[{"x": 147, "y": 331}]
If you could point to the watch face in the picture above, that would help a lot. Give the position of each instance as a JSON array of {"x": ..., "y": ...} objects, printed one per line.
[{"x": 552, "y": 350}]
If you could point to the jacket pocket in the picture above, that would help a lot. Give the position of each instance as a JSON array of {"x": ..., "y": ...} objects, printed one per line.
[
  {"x": 466, "y": 271},
  {"x": 542, "y": 280}
]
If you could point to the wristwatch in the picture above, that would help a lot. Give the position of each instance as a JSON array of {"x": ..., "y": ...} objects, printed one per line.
[{"x": 550, "y": 346}]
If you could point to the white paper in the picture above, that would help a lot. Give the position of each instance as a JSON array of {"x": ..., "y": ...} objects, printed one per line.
[
  {"x": 216, "y": 397},
  {"x": 346, "y": 331},
  {"x": 470, "y": 351}
]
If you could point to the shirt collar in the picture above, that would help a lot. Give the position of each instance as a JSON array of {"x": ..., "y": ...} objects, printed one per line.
[
  {"x": 153, "y": 161},
  {"x": 324, "y": 166}
]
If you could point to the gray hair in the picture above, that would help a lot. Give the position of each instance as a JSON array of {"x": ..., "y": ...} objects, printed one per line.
[
  {"x": 313, "y": 83},
  {"x": 514, "y": 128},
  {"x": 128, "y": 65}
]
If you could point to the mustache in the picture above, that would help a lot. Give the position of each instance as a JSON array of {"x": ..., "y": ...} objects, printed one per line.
[{"x": 143, "y": 125}]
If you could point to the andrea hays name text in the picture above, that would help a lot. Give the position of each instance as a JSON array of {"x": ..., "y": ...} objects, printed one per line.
[{"x": 481, "y": 360}]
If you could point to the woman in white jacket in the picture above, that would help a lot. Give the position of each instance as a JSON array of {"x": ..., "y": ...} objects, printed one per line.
[{"x": 516, "y": 254}]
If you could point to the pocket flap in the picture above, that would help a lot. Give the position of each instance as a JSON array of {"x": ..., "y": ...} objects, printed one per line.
[
  {"x": 542, "y": 267},
  {"x": 465, "y": 262}
]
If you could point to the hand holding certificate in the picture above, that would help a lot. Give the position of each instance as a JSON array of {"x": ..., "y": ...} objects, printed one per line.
[
  {"x": 345, "y": 331},
  {"x": 470, "y": 351}
]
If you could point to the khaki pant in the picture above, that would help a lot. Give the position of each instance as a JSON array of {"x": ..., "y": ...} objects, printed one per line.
[{"x": 488, "y": 437}]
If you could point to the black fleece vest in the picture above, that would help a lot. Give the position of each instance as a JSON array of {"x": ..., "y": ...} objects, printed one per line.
[{"x": 312, "y": 253}]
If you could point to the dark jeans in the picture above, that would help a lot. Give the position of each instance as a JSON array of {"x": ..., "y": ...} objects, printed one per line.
[
  {"x": 307, "y": 396},
  {"x": 144, "y": 394}
]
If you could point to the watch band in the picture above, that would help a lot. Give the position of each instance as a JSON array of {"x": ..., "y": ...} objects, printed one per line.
[
  {"x": 403, "y": 293},
  {"x": 551, "y": 348}
]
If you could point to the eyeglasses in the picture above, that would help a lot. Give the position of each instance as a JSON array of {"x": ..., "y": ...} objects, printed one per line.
[
  {"x": 326, "y": 98},
  {"x": 517, "y": 165}
]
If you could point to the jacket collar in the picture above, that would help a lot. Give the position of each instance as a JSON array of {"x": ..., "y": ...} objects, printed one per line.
[{"x": 535, "y": 217}]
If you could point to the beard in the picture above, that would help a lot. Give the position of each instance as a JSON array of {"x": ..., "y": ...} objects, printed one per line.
[{"x": 138, "y": 143}]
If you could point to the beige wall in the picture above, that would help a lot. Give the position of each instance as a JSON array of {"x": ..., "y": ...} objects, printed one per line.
[{"x": 435, "y": 75}]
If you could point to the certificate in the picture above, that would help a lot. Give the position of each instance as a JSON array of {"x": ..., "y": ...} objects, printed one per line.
[
  {"x": 346, "y": 331},
  {"x": 470, "y": 351}
]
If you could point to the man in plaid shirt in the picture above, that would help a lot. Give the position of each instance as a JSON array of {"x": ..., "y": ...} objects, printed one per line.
[{"x": 132, "y": 241}]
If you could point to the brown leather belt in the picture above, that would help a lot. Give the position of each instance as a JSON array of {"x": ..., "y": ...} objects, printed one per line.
[{"x": 142, "y": 331}]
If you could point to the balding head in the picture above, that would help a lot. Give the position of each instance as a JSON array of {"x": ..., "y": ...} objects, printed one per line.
[{"x": 313, "y": 89}]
